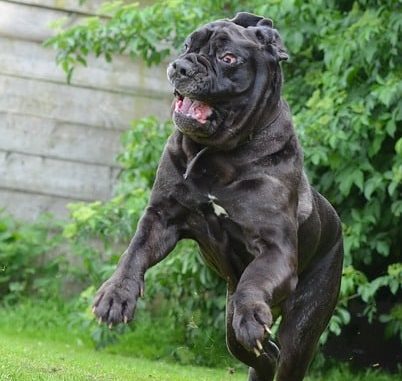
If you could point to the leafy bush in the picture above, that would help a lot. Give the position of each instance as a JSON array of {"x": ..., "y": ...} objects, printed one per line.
[
  {"x": 343, "y": 84},
  {"x": 351, "y": 131},
  {"x": 26, "y": 267}
]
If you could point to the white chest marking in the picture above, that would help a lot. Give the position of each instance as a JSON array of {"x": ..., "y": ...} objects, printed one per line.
[{"x": 218, "y": 210}]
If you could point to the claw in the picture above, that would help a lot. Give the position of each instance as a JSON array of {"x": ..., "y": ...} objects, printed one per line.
[
  {"x": 274, "y": 348},
  {"x": 259, "y": 345},
  {"x": 125, "y": 319},
  {"x": 267, "y": 329},
  {"x": 110, "y": 326},
  {"x": 257, "y": 352},
  {"x": 93, "y": 310},
  {"x": 100, "y": 321},
  {"x": 141, "y": 292}
]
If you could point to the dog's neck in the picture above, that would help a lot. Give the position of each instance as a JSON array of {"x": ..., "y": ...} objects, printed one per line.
[
  {"x": 269, "y": 118},
  {"x": 271, "y": 137}
]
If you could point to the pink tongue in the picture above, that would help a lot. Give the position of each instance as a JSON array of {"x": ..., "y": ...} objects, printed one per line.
[{"x": 195, "y": 109}]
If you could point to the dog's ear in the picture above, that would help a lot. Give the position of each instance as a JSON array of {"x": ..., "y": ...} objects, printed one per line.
[
  {"x": 270, "y": 37},
  {"x": 278, "y": 45},
  {"x": 264, "y": 31},
  {"x": 246, "y": 19}
]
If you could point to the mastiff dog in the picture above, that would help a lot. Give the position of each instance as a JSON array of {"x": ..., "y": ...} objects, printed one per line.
[{"x": 231, "y": 178}]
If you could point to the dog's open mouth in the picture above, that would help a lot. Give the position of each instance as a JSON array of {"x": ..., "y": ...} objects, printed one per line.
[{"x": 194, "y": 109}]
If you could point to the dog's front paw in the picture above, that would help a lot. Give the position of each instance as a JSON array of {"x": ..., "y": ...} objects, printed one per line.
[
  {"x": 116, "y": 300},
  {"x": 251, "y": 324}
]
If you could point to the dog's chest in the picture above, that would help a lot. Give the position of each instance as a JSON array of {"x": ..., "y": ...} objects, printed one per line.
[
  {"x": 221, "y": 239},
  {"x": 228, "y": 210},
  {"x": 204, "y": 200}
]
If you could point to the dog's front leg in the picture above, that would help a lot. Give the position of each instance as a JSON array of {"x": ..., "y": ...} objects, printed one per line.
[
  {"x": 266, "y": 281},
  {"x": 116, "y": 299}
]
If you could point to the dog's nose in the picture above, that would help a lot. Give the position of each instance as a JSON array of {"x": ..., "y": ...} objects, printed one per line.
[{"x": 181, "y": 67}]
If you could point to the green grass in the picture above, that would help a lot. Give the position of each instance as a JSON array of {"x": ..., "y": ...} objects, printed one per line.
[
  {"x": 38, "y": 343},
  {"x": 24, "y": 359},
  {"x": 28, "y": 359}
]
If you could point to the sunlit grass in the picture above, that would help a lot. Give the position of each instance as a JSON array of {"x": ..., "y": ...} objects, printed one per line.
[
  {"x": 24, "y": 359},
  {"x": 37, "y": 343}
]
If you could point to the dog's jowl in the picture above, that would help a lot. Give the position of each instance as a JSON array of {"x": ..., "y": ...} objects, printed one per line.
[{"x": 231, "y": 178}]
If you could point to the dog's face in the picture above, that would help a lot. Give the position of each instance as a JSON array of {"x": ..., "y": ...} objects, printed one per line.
[{"x": 226, "y": 79}]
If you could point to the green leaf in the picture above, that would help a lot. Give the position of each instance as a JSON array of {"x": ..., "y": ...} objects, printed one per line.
[{"x": 383, "y": 247}]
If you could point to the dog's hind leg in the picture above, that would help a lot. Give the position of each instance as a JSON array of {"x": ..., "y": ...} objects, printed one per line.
[
  {"x": 307, "y": 312},
  {"x": 253, "y": 376}
]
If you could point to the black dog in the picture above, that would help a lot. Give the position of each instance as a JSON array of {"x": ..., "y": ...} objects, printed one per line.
[{"x": 231, "y": 178}]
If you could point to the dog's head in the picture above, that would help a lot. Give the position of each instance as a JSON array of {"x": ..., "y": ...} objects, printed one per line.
[{"x": 227, "y": 80}]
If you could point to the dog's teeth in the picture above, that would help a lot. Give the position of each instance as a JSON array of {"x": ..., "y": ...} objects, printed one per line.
[
  {"x": 259, "y": 345},
  {"x": 267, "y": 329},
  {"x": 257, "y": 352}
]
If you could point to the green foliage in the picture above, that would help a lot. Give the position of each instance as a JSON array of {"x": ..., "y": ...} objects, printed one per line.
[
  {"x": 25, "y": 264},
  {"x": 343, "y": 82},
  {"x": 355, "y": 115},
  {"x": 115, "y": 221},
  {"x": 351, "y": 132},
  {"x": 356, "y": 284},
  {"x": 143, "y": 145},
  {"x": 394, "y": 321},
  {"x": 148, "y": 33},
  {"x": 112, "y": 223}
]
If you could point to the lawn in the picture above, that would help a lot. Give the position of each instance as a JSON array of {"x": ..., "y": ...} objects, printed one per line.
[
  {"x": 37, "y": 342},
  {"x": 31, "y": 359},
  {"x": 28, "y": 359}
]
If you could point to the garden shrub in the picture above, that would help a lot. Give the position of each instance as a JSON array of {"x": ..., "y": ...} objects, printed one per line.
[{"x": 26, "y": 264}]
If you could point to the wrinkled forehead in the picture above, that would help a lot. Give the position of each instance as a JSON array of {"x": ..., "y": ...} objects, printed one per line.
[{"x": 221, "y": 33}]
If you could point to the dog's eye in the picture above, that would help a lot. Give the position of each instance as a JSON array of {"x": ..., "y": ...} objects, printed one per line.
[{"x": 229, "y": 58}]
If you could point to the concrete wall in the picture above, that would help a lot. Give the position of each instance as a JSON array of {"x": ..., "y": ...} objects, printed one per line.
[{"x": 58, "y": 141}]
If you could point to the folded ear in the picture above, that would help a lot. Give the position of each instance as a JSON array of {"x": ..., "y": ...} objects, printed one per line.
[
  {"x": 280, "y": 48},
  {"x": 264, "y": 32},
  {"x": 283, "y": 55},
  {"x": 272, "y": 40},
  {"x": 246, "y": 19}
]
